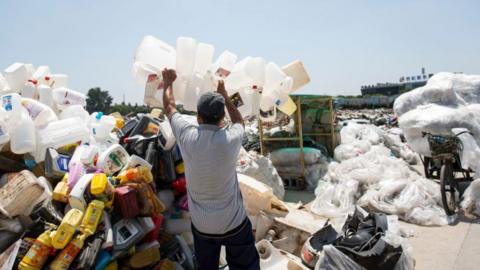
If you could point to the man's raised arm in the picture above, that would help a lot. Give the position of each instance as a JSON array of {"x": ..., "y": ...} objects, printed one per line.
[
  {"x": 233, "y": 112},
  {"x": 169, "y": 76}
]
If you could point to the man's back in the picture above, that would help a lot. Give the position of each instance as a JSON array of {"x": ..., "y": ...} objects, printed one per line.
[{"x": 210, "y": 154}]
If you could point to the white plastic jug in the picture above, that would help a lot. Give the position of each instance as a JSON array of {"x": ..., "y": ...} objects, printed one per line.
[
  {"x": 113, "y": 159},
  {"x": 101, "y": 125},
  {"x": 249, "y": 103},
  {"x": 203, "y": 58},
  {"x": 224, "y": 64},
  {"x": 29, "y": 90},
  {"x": 239, "y": 78},
  {"x": 59, "y": 80},
  {"x": 16, "y": 76},
  {"x": 186, "y": 52},
  {"x": 297, "y": 71},
  {"x": 64, "y": 97},
  {"x": 22, "y": 135},
  {"x": 3, "y": 84},
  {"x": 273, "y": 76},
  {"x": 12, "y": 104},
  {"x": 151, "y": 57},
  {"x": 46, "y": 95},
  {"x": 30, "y": 70},
  {"x": 41, "y": 73},
  {"x": 271, "y": 94},
  {"x": 272, "y": 258},
  {"x": 40, "y": 113},
  {"x": 75, "y": 111},
  {"x": 4, "y": 136},
  {"x": 60, "y": 133},
  {"x": 167, "y": 133}
]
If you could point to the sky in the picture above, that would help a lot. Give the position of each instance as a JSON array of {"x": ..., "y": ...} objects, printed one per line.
[{"x": 343, "y": 44}]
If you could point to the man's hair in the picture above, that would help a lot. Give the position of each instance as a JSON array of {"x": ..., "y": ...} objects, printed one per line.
[{"x": 210, "y": 119}]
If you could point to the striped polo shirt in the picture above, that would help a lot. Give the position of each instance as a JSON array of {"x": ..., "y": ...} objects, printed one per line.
[{"x": 210, "y": 155}]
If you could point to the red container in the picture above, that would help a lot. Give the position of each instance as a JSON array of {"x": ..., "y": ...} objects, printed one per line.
[
  {"x": 153, "y": 235},
  {"x": 180, "y": 185},
  {"x": 126, "y": 202}
]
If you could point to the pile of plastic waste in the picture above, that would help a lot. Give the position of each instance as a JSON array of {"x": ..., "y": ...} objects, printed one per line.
[
  {"x": 369, "y": 174},
  {"x": 86, "y": 191},
  {"x": 378, "y": 117},
  {"x": 252, "y": 83}
]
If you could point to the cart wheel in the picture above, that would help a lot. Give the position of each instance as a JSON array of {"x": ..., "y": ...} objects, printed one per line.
[{"x": 447, "y": 188}]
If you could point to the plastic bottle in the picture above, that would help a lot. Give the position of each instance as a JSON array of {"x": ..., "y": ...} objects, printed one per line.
[
  {"x": 141, "y": 173},
  {"x": 38, "y": 254},
  {"x": 151, "y": 57},
  {"x": 46, "y": 95},
  {"x": 92, "y": 217},
  {"x": 90, "y": 155},
  {"x": 69, "y": 253},
  {"x": 203, "y": 58},
  {"x": 16, "y": 75},
  {"x": 64, "y": 97},
  {"x": 113, "y": 159},
  {"x": 75, "y": 111},
  {"x": 4, "y": 136},
  {"x": 185, "y": 56},
  {"x": 12, "y": 103},
  {"x": 40, "y": 113},
  {"x": 59, "y": 80},
  {"x": 67, "y": 228},
  {"x": 60, "y": 193},
  {"x": 101, "y": 188},
  {"x": 224, "y": 64},
  {"x": 40, "y": 73},
  {"x": 22, "y": 136},
  {"x": 29, "y": 90},
  {"x": 102, "y": 125}
]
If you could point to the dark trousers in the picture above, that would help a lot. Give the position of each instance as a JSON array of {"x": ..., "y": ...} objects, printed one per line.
[{"x": 239, "y": 244}]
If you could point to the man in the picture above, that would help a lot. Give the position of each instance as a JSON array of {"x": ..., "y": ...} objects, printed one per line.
[{"x": 210, "y": 151}]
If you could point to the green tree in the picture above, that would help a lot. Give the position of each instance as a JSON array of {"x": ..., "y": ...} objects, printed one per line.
[{"x": 98, "y": 100}]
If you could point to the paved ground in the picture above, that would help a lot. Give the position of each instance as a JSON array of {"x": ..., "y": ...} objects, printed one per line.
[{"x": 439, "y": 248}]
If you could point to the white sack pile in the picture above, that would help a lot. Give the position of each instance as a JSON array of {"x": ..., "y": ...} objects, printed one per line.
[
  {"x": 447, "y": 101},
  {"x": 368, "y": 174}
]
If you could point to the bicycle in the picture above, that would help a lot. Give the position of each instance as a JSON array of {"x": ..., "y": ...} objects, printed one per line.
[{"x": 445, "y": 164}]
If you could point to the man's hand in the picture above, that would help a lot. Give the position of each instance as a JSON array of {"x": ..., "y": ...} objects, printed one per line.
[
  {"x": 169, "y": 76},
  {"x": 235, "y": 115}
]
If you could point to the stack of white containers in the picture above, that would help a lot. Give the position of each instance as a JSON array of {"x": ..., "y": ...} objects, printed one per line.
[
  {"x": 38, "y": 111},
  {"x": 253, "y": 84}
]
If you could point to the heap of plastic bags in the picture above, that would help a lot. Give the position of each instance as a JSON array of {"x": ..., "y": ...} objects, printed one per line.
[
  {"x": 447, "y": 101},
  {"x": 252, "y": 83},
  {"x": 368, "y": 174}
]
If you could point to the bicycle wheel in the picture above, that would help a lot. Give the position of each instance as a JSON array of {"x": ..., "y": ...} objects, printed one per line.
[{"x": 447, "y": 188}]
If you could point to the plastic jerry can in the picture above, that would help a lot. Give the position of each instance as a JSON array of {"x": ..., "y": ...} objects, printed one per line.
[
  {"x": 151, "y": 57},
  {"x": 140, "y": 173},
  {"x": 102, "y": 189},
  {"x": 45, "y": 95},
  {"x": 59, "y": 80},
  {"x": 16, "y": 76},
  {"x": 77, "y": 195},
  {"x": 224, "y": 64},
  {"x": 38, "y": 253},
  {"x": 113, "y": 159},
  {"x": 61, "y": 190},
  {"x": 67, "y": 228},
  {"x": 12, "y": 103},
  {"x": 4, "y": 136},
  {"x": 102, "y": 125},
  {"x": 29, "y": 90},
  {"x": 144, "y": 258},
  {"x": 135, "y": 161},
  {"x": 203, "y": 58},
  {"x": 89, "y": 156},
  {"x": 22, "y": 135},
  {"x": 69, "y": 253},
  {"x": 19, "y": 195},
  {"x": 126, "y": 203},
  {"x": 40, "y": 73},
  {"x": 168, "y": 139},
  {"x": 65, "y": 97},
  {"x": 92, "y": 217},
  {"x": 40, "y": 113},
  {"x": 126, "y": 233},
  {"x": 297, "y": 71},
  {"x": 185, "y": 56},
  {"x": 56, "y": 165}
]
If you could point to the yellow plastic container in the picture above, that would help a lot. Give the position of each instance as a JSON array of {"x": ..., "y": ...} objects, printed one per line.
[
  {"x": 92, "y": 217},
  {"x": 180, "y": 168},
  {"x": 101, "y": 188},
  {"x": 61, "y": 191},
  {"x": 65, "y": 231},
  {"x": 144, "y": 258},
  {"x": 140, "y": 173},
  {"x": 112, "y": 266},
  {"x": 38, "y": 253},
  {"x": 166, "y": 264},
  {"x": 119, "y": 123},
  {"x": 69, "y": 253}
]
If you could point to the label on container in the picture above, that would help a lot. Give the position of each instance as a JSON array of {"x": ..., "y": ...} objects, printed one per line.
[
  {"x": 237, "y": 100},
  {"x": 62, "y": 163},
  {"x": 37, "y": 255},
  {"x": 33, "y": 109},
  {"x": 115, "y": 161},
  {"x": 7, "y": 103}
]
